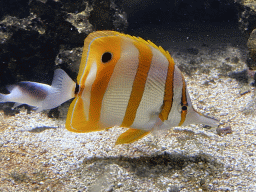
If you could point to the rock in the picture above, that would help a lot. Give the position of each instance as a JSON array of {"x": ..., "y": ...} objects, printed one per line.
[
  {"x": 246, "y": 15},
  {"x": 241, "y": 76},
  {"x": 69, "y": 60},
  {"x": 224, "y": 130},
  {"x": 32, "y": 36},
  {"x": 106, "y": 15},
  {"x": 251, "y": 44}
]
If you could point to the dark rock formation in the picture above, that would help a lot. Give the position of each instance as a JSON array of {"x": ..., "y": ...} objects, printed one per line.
[{"x": 32, "y": 33}]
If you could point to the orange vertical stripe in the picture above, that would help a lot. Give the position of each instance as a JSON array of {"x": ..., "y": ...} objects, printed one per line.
[
  {"x": 168, "y": 92},
  {"x": 183, "y": 102},
  {"x": 145, "y": 59},
  {"x": 104, "y": 72}
]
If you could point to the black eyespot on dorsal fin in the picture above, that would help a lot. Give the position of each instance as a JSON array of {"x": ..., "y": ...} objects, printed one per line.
[{"x": 184, "y": 108}]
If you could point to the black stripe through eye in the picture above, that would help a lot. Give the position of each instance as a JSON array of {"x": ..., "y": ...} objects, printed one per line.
[
  {"x": 106, "y": 57},
  {"x": 184, "y": 108}
]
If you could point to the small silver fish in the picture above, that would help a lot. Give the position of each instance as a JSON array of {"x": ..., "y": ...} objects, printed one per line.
[{"x": 41, "y": 96}]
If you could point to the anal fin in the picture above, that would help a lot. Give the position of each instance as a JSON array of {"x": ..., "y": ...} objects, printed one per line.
[{"x": 131, "y": 135}]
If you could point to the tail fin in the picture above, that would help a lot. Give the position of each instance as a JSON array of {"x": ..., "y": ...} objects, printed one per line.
[
  {"x": 62, "y": 89},
  {"x": 2, "y": 98}
]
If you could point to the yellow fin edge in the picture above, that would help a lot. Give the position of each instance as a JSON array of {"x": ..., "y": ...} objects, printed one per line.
[
  {"x": 130, "y": 136},
  {"x": 148, "y": 42}
]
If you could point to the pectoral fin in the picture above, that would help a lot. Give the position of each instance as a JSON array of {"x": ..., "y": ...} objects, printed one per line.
[{"x": 130, "y": 136}]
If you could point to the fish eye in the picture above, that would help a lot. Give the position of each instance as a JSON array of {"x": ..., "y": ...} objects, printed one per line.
[
  {"x": 184, "y": 108},
  {"x": 106, "y": 57}
]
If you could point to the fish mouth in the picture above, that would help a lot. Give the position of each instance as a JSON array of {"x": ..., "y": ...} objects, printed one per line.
[{"x": 207, "y": 121}]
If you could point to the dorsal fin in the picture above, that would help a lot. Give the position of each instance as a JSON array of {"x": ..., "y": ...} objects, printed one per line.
[
  {"x": 99, "y": 34},
  {"x": 148, "y": 42},
  {"x": 10, "y": 87}
]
